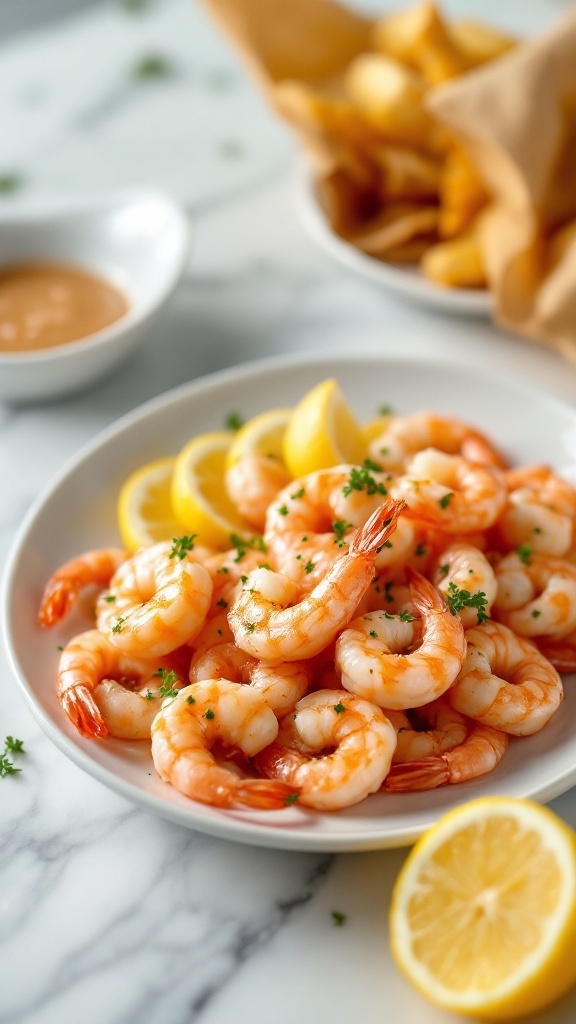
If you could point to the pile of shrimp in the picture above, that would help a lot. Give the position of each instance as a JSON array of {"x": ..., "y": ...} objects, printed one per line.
[{"x": 387, "y": 626}]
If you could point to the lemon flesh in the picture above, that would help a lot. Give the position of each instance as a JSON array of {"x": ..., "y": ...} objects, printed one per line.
[
  {"x": 262, "y": 435},
  {"x": 144, "y": 509},
  {"x": 483, "y": 918},
  {"x": 199, "y": 497},
  {"x": 322, "y": 432}
]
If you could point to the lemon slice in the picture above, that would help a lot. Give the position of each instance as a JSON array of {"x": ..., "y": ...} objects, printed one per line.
[
  {"x": 145, "y": 508},
  {"x": 374, "y": 429},
  {"x": 199, "y": 497},
  {"x": 483, "y": 917},
  {"x": 322, "y": 432},
  {"x": 262, "y": 435}
]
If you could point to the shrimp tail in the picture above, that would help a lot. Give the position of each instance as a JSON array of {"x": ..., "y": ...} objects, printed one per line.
[
  {"x": 425, "y": 595},
  {"x": 377, "y": 528},
  {"x": 424, "y": 773},
  {"x": 57, "y": 600},
  {"x": 78, "y": 703},
  {"x": 276, "y": 761},
  {"x": 265, "y": 794},
  {"x": 561, "y": 655},
  {"x": 478, "y": 449}
]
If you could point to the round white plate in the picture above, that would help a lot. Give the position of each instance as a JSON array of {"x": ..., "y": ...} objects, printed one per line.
[
  {"x": 406, "y": 281},
  {"x": 78, "y": 512}
]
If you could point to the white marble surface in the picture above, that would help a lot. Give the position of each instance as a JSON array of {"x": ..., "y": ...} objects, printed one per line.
[{"x": 108, "y": 914}]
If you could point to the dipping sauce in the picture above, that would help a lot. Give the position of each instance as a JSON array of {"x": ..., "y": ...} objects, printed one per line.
[{"x": 48, "y": 304}]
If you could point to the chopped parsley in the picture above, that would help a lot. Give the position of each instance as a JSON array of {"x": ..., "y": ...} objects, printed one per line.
[
  {"x": 283, "y": 510},
  {"x": 385, "y": 410},
  {"x": 458, "y": 599},
  {"x": 209, "y": 714},
  {"x": 169, "y": 678},
  {"x": 362, "y": 480},
  {"x": 444, "y": 568},
  {"x": 242, "y": 544},
  {"x": 405, "y": 616},
  {"x": 250, "y": 627},
  {"x": 181, "y": 545},
  {"x": 233, "y": 421},
  {"x": 117, "y": 627},
  {"x": 190, "y": 700},
  {"x": 373, "y": 634},
  {"x": 223, "y": 568},
  {"x": 291, "y": 798},
  {"x": 149, "y": 695},
  {"x": 420, "y": 550},
  {"x": 11, "y": 746},
  {"x": 338, "y": 918},
  {"x": 445, "y": 500},
  {"x": 153, "y": 65},
  {"x": 536, "y": 614},
  {"x": 524, "y": 552},
  {"x": 109, "y": 598},
  {"x": 339, "y": 708},
  {"x": 222, "y": 603},
  {"x": 298, "y": 494},
  {"x": 309, "y": 567},
  {"x": 10, "y": 183},
  {"x": 340, "y": 526}
]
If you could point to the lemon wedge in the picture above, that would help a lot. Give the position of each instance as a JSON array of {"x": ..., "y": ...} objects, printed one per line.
[
  {"x": 483, "y": 917},
  {"x": 144, "y": 506},
  {"x": 262, "y": 435},
  {"x": 199, "y": 497},
  {"x": 322, "y": 432}
]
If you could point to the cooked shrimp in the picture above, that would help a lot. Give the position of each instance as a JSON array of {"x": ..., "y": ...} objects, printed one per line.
[
  {"x": 253, "y": 484},
  {"x": 227, "y": 569},
  {"x": 215, "y": 630},
  {"x": 335, "y": 750},
  {"x": 103, "y": 692},
  {"x": 426, "y": 731},
  {"x": 505, "y": 682},
  {"x": 63, "y": 588},
  {"x": 368, "y": 651},
  {"x": 561, "y": 653},
  {"x": 268, "y": 625},
  {"x": 478, "y": 754},
  {"x": 403, "y": 436},
  {"x": 536, "y": 595},
  {"x": 156, "y": 602},
  {"x": 540, "y": 511},
  {"x": 311, "y": 522},
  {"x": 450, "y": 492},
  {"x": 282, "y": 686},
  {"x": 216, "y": 711},
  {"x": 464, "y": 574}
]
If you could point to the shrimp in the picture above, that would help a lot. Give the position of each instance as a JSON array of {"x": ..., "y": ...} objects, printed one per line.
[
  {"x": 505, "y": 682},
  {"x": 427, "y": 731},
  {"x": 540, "y": 511},
  {"x": 267, "y": 625},
  {"x": 201, "y": 716},
  {"x": 450, "y": 492},
  {"x": 536, "y": 595},
  {"x": 311, "y": 522},
  {"x": 157, "y": 601},
  {"x": 227, "y": 569},
  {"x": 403, "y": 436},
  {"x": 369, "y": 659},
  {"x": 479, "y": 753},
  {"x": 561, "y": 653},
  {"x": 335, "y": 750},
  {"x": 103, "y": 692},
  {"x": 215, "y": 630},
  {"x": 63, "y": 588},
  {"x": 253, "y": 483},
  {"x": 282, "y": 686},
  {"x": 463, "y": 573}
]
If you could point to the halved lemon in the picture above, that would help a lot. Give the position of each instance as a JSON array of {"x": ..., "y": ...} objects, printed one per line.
[
  {"x": 483, "y": 917},
  {"x": 322, "y": 431},
  {"x": 145, "y": 513},
  {"x": 262, "y": 435},
  {"x": 199, "y": 496}
]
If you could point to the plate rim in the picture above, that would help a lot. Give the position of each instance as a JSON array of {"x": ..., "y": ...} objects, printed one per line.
[{"x": 226, "y": 825}]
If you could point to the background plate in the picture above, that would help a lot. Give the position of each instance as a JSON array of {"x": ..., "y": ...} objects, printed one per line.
[
  {"x": 406, "y": 281},
  {"x": 78, "y": 512}
]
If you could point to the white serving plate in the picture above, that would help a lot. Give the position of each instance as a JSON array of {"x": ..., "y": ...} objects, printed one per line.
[
  {"x": 78, "y": 512},
  {"x": 404, "y": 280}
]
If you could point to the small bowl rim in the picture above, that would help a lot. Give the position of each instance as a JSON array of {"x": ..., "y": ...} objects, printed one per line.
[{"x": 43, "y": 211}]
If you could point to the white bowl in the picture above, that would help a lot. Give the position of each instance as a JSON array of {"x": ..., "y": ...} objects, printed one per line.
[{"x": 138, "y": 240}]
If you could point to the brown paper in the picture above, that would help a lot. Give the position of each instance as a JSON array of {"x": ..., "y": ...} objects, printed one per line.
[{"x": 517, "y": 120}]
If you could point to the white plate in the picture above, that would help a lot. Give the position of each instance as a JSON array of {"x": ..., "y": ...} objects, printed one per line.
[
  {"x": 406, "y": 281},
  {"x": 79, "y": 512}
]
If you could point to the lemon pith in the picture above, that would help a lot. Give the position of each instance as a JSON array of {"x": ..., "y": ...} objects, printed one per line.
[{"x": 483, "y": 916}]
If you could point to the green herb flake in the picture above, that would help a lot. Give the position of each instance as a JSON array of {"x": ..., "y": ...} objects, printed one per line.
[
  {"x": 10, "y": 183},
  {"x": 149, "y": 695},
  {"x": 13, "y": 746},
  {"x": 373, "y": 634},
  {"x": 298, "y": 494},
  {"x": 190, "y": 700},
  {"x": 524, "y": 552},
  {"x": 339, "y": 708},
  {"x": 457, "y": 599},
  {"x": 153, "y": 65},
  {"x": 109, "y": 598},
  {"x": 181, "y": 545},
  {"x": 209, "y": 714},
  {"x": 362, "y": 480},
  {"x": 223, "y": 568},
  {"x": 385, "y": 410},
  {"x": 250, "y": 627},
  {"x": 445, "y": 500},
  {"x": 444, "y": 568},
  {"x": 169, "y": 678},
  {"x": 222, "y": 603},
  {"x": 242, "y": 545},
  {"x": 233, "y": 421},
  {"x": 420, "y": 550},
  {"x": 243, "y": 578},
  {"x": 309, "y": 567},
  {"x": 283, "y": 510},
  {"x": 117, "y": 627},
  {"x": 292, "y": 798},
  {"x": 6, "y": 767},
  {"x": 340, "y": 527},
  {"x": 536, "y": 614},
  {"x": 338, "y": 918},
  {"x": 405, "y": 616}
]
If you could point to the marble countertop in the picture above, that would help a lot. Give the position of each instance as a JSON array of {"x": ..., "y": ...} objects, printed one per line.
[{"x": 107, "y": 913}]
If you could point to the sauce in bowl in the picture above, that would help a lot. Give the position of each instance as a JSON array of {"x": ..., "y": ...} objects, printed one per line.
[{"x": 47, "y": 304}]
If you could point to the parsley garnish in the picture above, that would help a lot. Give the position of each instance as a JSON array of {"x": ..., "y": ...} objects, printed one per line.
[
  {"x": 457, "y": 599},
  {"x": 298, "y": 494},
  {"x": 11, "y": 746},
  {"x": 385, "y": 410},
  {"x": 339, "y": 708},
  {"x": 420, "y": 550},
  {"x": 291, "y": 798},
  {"x": 250, "y": 627},
  {"x": 309, "y": 567},
  {"x": 222, "y": 603},
  {"x": 445, "y": 500},
  {"x": 154, "y": 65},
  {"x": 444, "y": 568},
  {"x": 283, "y": 510},
  {"x": 405, "y": 616},
  {"x": 190, "y": 700},
  {"x": 362, "y": 480},
  {"x": 168, "y": 677},
  {"x": 340, "y": 527},
  {"x": 209, "y": 714},
  {"x": 149, "y": 695},
  {"x": 181, "y": 545},
  {"x": 242, "y": 545},
  {"x": 233, "y": 421},
  {"x": 10, "y": 183},
  {"x": 109, "y": 598},
  {"x": 524, "y": 552},
  {"x": 536, "y": 614},
  {"x": 373, "y": 634},
  {"x": 117, "y": 627},
  {"x": 338, "y": 918}
]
